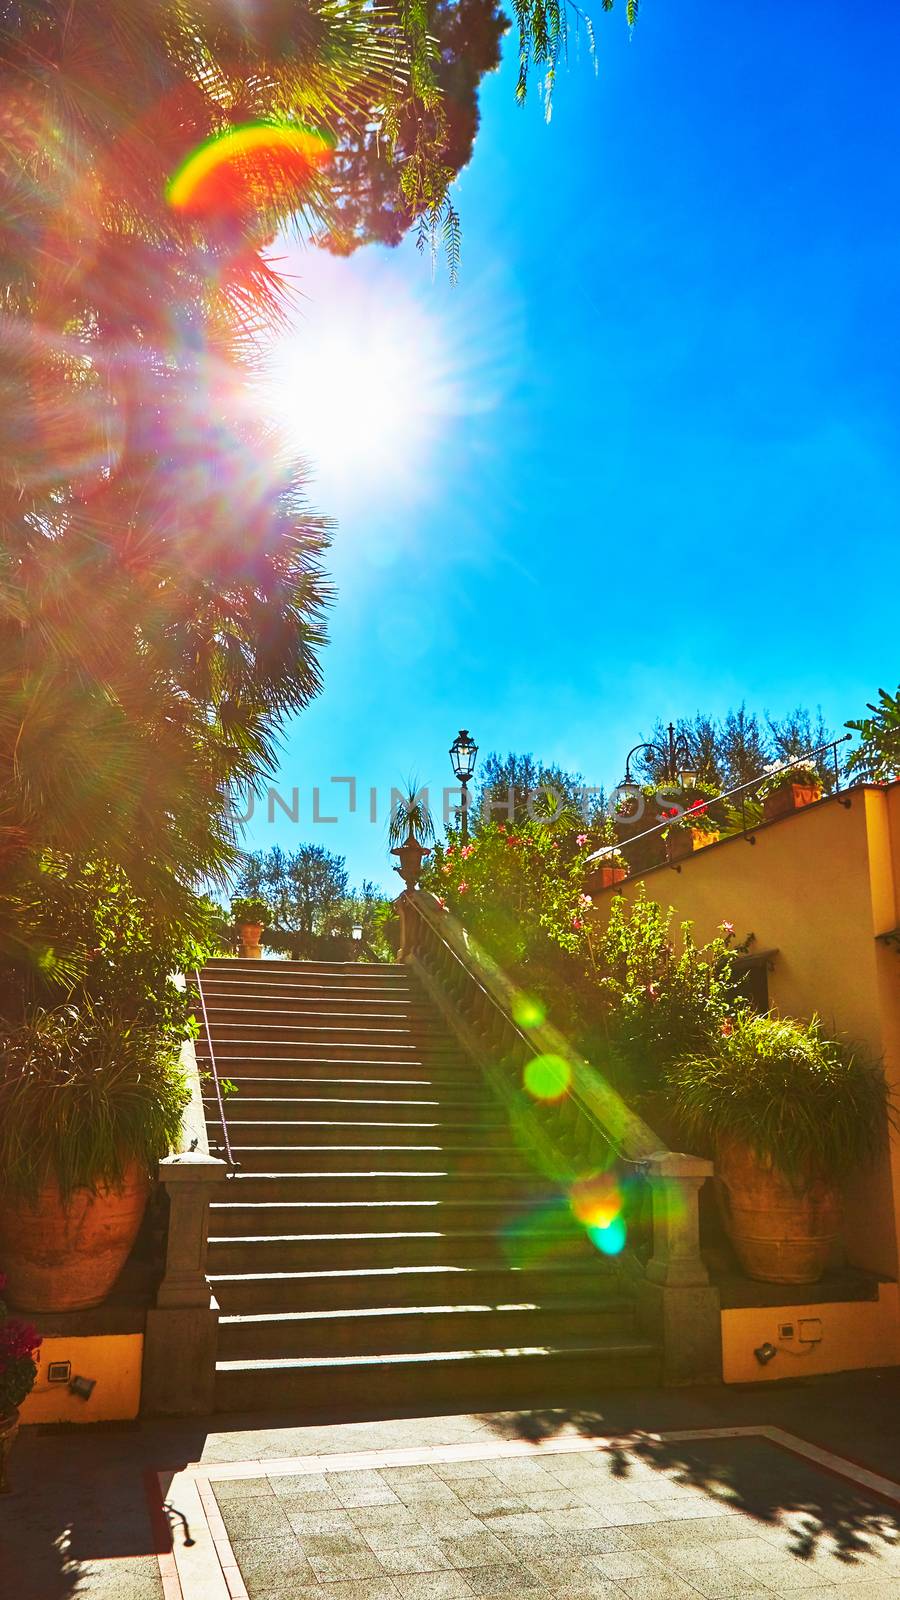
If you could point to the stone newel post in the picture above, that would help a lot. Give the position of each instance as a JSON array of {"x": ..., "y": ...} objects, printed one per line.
[
  {"x": 182, "y": 1328},
  {"x": 676, "y": 1301}
]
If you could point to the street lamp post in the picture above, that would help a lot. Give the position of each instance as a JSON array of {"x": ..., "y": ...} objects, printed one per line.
[
  {"x": 675, "y": 755},
  {"x": 462, "y": 754}
]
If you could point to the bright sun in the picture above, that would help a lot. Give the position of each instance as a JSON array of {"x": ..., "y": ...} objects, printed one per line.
[{"x": 362, "y": 383}]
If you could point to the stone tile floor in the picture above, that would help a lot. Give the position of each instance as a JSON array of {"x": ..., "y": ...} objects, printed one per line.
[
  {"x": 644, "y": 1521},
  {"x": 588, "y": 1501}
]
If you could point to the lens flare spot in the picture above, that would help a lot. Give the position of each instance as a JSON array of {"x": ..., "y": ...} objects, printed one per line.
[
  {"x": 596, "y": 1200},
  {"x": 527, "y": 1011},
  {"x": 611, "y": 1239},
  {"x": 247, "y": 168},
  {"x": 547, "y": 1077}
]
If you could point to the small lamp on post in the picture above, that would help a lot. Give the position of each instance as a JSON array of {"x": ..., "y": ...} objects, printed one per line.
[
  {"x": 462, "y": 754},
  {"x": 356, "y": 931}
]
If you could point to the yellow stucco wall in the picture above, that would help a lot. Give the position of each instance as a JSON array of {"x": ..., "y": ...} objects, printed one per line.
[
  {"x": 113, "y": 1359},
  {"x": 817, "y": 886},
  {"x": 854, "y": 1334}
]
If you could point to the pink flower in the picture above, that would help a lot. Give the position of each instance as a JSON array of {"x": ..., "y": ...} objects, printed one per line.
[
  {"x": 462, "y": 887},
  {"x": 466, "y": 851},
  {"x": 577, "y": 922},
  {"x": 581, "y": 839},
  {"x": 449, "y": 850},
  {"x": 585, "y": 900},
  {"x": 446, "y": 870},
  {"x": 651, "y": 990},
  {"x": 727, "y": 1028},
  {"x": 727, "y": 928}
]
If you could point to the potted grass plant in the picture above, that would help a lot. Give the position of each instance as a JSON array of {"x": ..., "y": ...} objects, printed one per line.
[
  {"x": 19, "y": 1343},
  {"x": 789, "y": 790},
  {"x": 250, "y": 915},
  {"x": 88, "y": 1104},
  {"x": 409, "y": 826},
  {"x": 789, "y": 1114}
]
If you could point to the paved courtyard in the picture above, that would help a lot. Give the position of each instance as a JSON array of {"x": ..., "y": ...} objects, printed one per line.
[{"x": 730, "y": 1494}]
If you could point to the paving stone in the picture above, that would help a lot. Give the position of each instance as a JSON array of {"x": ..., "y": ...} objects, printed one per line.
[
  {"x": 433, "y": 1586},
  {"x": 263, "y": 1518},
  {"x": 658, "y": 1586},
  {"x": 289, "y": 1484},
  {"x": 304, "y": 1523},
  {"x": 337, "y": 1543},
  {"x": 577, "y": 1517},
  {"x": 501, "y": 1580},
  {"x": 271, "y": 1564},
  {"x": 241, "y": 1488},
  {"x": 359, "y": 1589},
  {"x": 414, "y": 1558},
  {"x": 344, "y": 1564},
  {"x": 439, "y": 1522},
  {"x": 527, "y": 1526},
  {"x": 551, "y": 1499},
  {"x": 485, "y": 1502},
  {"x": 478, "y": 1550}
]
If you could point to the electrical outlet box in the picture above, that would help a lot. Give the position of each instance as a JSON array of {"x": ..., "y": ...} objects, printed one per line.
[
  {"x": 810, "y": 1330},
  {"x": 785, "y": 1330},
  {"x": 59, "y": 1371}
]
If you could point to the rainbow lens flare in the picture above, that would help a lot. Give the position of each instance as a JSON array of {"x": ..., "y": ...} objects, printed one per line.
[
  {"x": 611, "y": 1239},
  {"x": 547, "y": 1077},
  {"x": 528, "y": 1012},
  {"x": 246, "y": 169},
  {"x": 598, "y": 1202}
]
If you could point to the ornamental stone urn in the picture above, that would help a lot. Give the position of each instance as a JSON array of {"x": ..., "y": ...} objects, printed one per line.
[{"x": 410, "y": 854}]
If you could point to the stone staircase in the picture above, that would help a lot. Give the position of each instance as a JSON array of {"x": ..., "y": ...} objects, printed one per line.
[{"x": 383, "y": 1244}]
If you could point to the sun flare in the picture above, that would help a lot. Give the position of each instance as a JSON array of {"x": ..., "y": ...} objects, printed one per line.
[{"x": 363, "y": 383}]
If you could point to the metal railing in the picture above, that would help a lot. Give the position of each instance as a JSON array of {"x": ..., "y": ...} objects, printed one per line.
[
  {"x": 741, "y": 789},
  {"x": 220, "y": 1100}
]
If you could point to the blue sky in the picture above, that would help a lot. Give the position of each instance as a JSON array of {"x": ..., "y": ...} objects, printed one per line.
[{"x": 643, "y": 459}]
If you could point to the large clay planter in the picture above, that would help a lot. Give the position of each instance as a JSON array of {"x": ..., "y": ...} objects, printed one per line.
[
  {"x": 66, "y": 1257},
  {"x": 682, "y": 842},
  {"x": 9, "y": 1427},
  {"x": 250, "y": 934},
  {"x": 604, "y": 877},
  {"x": 780, "y": 1234},
  {"x": 789, "y": 797}
]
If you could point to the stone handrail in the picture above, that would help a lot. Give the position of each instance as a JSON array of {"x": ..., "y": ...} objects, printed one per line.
[{"x": 588, "y": 1127}]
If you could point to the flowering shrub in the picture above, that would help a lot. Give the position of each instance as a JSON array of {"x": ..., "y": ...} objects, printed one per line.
[
  {"x": 518, "y": 887},
  {"x": 661, "y": 1001},
  {"x": 18, "y": 1342},
  {"x": 800, "y": 772}
]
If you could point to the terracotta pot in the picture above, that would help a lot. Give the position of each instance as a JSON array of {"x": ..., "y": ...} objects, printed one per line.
[
  {"x": 66, "y": 1257},
  {"x": 681, "y": 842},
  {"x": 9, "y": 1427},
  {"x": 603, "y": 878},
  {"x": 780, "y": 1234},
  {"x": 790, "y": 797},
  {"x": 250, "y": 935}
]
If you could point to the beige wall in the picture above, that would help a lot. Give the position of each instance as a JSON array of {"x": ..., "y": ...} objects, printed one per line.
[{"x": 817, "y": 886}]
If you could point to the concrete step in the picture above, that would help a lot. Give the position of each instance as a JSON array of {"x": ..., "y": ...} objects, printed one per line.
[
  {"x": 330, "y": 1131},
  {"x": 275, "y": 1187},
  {"x": 409, "y": 1329},
  {"x": 392, "y": 1073},
  {"x": 386, "y": 1052},
  {"x": 277, "y": 971},
  {"x": 386, "y": 1112},
  {"x": 393, "y": 1188},
  {"x": 286, "y": 1218},
  {"x": 355, "y": 1084},
  {"x": 322, "y": 1003},
  {"x": 438, "y": 1381},
  {"x": 237, "y": 1025},
  {"x": 427, "y": 1243},
  {"x": 423, "y": 1161},
  {"x": 596, "y": 1278}
]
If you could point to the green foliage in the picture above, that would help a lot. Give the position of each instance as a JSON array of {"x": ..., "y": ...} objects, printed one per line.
[
  {"x": 877, "y": 757},
  {"x": 660, "y": 998},
  {"x": 18, "y": 1369},
  {"x": 410, "y": 813},
  {"x": 249, "y": 909},
  {"x": 122, "y": 951},
  {"x": 521, "y": 789},
  {"x": 82, "y": 1095},
  {"x": 799, "y": 772},
  {"x": 696, "y": 808},
  {"x": 740, "y": 747},
  {"x": 518, "y": 887},
  {"x": 810, "y": 1104}
]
